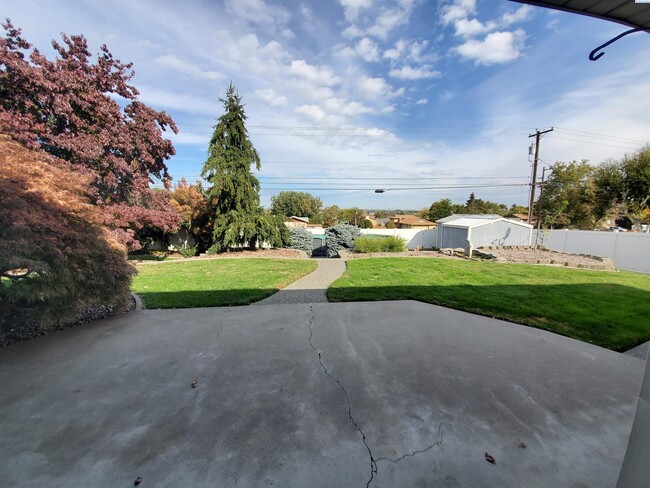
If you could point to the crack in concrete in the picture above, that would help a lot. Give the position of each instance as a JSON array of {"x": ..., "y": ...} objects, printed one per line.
[
  {"x": 419, "y": 451},
  {"x": 373, "y": 462}
]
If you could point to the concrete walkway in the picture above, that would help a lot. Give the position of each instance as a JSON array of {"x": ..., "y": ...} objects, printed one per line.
[
  {"x": 380, "y": 394},
  {"x": 312, "y": 288}
]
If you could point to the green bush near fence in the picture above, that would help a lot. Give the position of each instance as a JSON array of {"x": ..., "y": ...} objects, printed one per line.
[{"x": 368, "y": 244}]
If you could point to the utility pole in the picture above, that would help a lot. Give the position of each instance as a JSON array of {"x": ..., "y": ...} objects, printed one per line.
[
  {"x": 539, "y": 203},
  {"x": 537, "y": 135}
]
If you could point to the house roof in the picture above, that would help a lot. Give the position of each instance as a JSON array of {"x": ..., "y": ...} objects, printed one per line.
[
  {"x": 412, "y": 220},
  {"x": 519, "y": 216},
  {"x": 471, "y": 223},
  {"x": 626, "y": 12},
  {"x": 453, "y": 217},
  {"x": 300, "y": 219}
]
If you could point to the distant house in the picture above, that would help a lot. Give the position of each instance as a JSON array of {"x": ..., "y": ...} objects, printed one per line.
[
  {"x": 473, "y": 231},
  {"x": 294, "y": 221},
  {"x": 411, "y": 222},
  {"x": 375, "y": 223},
  {"x": 522, "y": 218}
]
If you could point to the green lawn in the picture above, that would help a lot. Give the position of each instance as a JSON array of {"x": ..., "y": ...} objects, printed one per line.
[
  {"x": 215, "y": 282},
  {"x": 610, "y": 309}
]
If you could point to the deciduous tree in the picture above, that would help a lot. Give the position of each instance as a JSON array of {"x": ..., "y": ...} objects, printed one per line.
[
  {"x": 56, "y": 259},
  {"x": 624, "y": 184},
  {"x": 296, "y": 203},
  {"x": 569, "y": 195},
  {"x": 68, "y": 108},
  {"x": 440, "y": 209}
]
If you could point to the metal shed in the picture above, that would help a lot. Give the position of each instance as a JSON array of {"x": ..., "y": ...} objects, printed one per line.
[{"x": 472, "y": 231}]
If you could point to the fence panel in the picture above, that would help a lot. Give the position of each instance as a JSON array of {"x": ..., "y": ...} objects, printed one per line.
[{"x": 628, "y": 250}]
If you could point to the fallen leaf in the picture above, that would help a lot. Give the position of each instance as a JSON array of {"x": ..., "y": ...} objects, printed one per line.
[
  {"x": 489, "y": 458},
  {"x": 522, "y": 444},
  {"x": 195, "y": 382},
  {"x": 137, "y": 481}
]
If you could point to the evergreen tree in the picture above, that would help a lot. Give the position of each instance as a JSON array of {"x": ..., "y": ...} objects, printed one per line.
[{"x": 239, "y": 220}]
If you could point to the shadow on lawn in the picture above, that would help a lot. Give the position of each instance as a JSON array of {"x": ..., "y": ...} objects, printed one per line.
[{"x": 610, "y": 315}]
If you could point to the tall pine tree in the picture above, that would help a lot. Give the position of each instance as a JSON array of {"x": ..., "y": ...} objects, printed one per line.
[{"x": 239, "y": 219}]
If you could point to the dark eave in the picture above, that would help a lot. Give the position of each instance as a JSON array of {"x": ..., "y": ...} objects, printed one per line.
[{"x": 624, "y": 12}]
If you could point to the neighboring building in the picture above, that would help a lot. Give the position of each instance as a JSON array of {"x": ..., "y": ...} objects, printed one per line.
[
  {"x": 473, "y": 231},
  {"x": 294, "y": 221},
  {"x": 375, "y": 223},
  {"x": 523, "y": 218},
  {"x": 411, "y": 222}
]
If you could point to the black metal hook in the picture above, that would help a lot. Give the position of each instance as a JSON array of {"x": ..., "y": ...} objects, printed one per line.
[{"x": 593, "y": 56}]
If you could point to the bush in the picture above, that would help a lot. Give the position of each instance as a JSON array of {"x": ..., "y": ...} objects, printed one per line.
[
  {"x": 340, "y": 236},
  {"x": 368, "y": 244},
  {"x": 188, "y": 252},
  {"x": 56, "y": 259},
  {"x": 301, "y": 239}
]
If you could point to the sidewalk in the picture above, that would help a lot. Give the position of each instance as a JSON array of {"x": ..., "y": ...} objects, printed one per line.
[{"x": 311, "y": 288}]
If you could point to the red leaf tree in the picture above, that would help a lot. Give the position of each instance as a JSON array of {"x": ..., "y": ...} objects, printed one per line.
[
  {"x": 57, "y": 260},
  {"x": 68, "y": 107}
]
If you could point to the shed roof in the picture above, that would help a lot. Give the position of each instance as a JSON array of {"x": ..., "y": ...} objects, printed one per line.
[
  {"x": 627, "y": 12},
  {"x": 470, "y": 223},
  {"x": 468, "y": 216}
]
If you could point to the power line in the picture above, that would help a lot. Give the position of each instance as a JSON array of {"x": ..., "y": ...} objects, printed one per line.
[
  {"x": 592, "y": 142},
  {"x": 603, "y": 136}
]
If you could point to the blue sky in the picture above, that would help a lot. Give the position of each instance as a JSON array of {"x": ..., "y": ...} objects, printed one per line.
[{"x": 431, "y": 96}]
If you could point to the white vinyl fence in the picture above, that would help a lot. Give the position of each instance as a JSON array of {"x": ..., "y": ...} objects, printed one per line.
[
  {"x": 425, "y": 239},
  {"x": 628, "y": 250}
]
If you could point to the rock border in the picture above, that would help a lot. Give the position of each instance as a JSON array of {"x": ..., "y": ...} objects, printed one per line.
[{"x": 600, "y": 264}]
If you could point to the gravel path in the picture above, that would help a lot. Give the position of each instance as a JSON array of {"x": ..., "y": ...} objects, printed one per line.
[{"x": 311, "y": 288}]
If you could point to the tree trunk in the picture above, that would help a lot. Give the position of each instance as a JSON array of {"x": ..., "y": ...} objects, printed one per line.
[{"x": 252, "y": 244}]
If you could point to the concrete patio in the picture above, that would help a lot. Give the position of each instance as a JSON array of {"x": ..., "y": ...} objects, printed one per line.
[{"x": 358, "y": 394}]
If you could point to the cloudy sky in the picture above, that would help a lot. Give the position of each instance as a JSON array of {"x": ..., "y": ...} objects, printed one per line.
[{"x": 426, "y": 99}]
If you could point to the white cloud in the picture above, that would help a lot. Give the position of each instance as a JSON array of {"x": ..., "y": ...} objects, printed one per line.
[
  {"x": 352, "y": 31},
  {"x": 344, "y": 107},
  {"x": 472, "y": 27},
  {"x": 460, "y": 9},
  {"x": 422, "y": 101},
  {"x": 306, "y": 89},
  {"x": 367, "y": 49},
  {"x": 388, "y": 109},
  {"x": 352, "y": 8},
  {"x": 414, "y": 73},
  {"x": 314, "y": 113},
  {"x": 172, "y": 100},
  {"x": 391, "y": 18},
  {"x": 496, "y": 48},
  {"x": 257, "y": 12},
  {"x": 288, "y": 34},
  {"x": 373, "y": 87},
  {"x": 519, "y": 15},
  {"x": 269, "y": 96},
  {"x": 396, "y": 52},
  {"x": 172, "y": 62},
  {"x": 319, "y": 75},
  {"x": 447, "y": 95}
]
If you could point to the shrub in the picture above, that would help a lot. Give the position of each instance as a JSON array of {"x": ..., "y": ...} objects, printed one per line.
[
  {"x": 301, "y": 239},
  {"x": 393, "y": 244},
  {"x": 188, "y": 252},
  {"x": 340, "y": 236},
  {"x": 56, "y": 260},
  {"x": 368, "y": 244}
]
